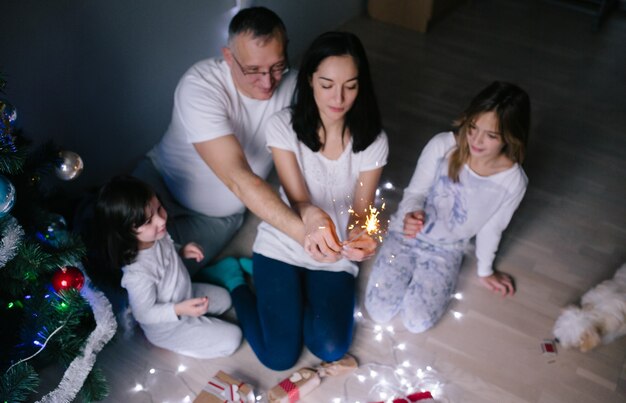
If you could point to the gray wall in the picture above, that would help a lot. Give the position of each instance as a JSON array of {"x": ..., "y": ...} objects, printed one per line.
[{"x": 98, "y": 76}]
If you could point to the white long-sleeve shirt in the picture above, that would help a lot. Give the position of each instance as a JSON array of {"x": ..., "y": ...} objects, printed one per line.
[
  {"x": 480, "y": 206},
  {"x": 156, "y": 281}
]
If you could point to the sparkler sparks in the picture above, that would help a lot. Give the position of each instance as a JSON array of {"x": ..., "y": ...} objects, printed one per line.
[{"x": 371, "y": 224}]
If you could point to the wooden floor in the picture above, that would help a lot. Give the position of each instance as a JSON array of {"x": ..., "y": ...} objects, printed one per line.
[{"x": 569, "y": 233}]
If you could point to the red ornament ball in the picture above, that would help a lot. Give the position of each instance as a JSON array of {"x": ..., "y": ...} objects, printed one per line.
[{"x": 68, "y": 277}]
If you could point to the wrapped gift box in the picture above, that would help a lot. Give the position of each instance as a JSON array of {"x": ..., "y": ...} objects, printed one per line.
[
  {"x": 290, "y": 390},
  {"x": 224, "y": 388}
]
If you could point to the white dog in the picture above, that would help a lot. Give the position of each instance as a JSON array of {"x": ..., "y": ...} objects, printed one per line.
[{"x": 601, "y": 319}]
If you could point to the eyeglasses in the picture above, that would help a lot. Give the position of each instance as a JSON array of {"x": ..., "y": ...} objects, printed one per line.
[{"x": 276, "y": 71}]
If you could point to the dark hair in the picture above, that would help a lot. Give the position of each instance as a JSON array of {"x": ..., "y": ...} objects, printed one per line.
[
  {"x": 363, "y": 119},
  {"x": 120, "y": 209},
  {"x": 261, "y": 22},
  {"x": 511, "y": 105}
]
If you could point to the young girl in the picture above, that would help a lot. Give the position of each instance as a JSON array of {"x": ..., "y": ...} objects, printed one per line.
[
  {"x": 467, "y": 183},
  {"x": 169, "y": 308},
  {"x": 329, "y": 151}
]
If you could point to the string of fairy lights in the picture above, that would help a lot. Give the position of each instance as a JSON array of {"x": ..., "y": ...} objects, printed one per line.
[{"x": 370, "y": 382}]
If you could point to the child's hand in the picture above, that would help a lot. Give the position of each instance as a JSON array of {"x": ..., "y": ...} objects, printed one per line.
[
  {"x": 361, "y": 248},
  {"x": 192, "y": 307},
  {"x": 499, "y": 282},
  {"x": 413, "y": 223},
  {"x": 192, "y": 251}
]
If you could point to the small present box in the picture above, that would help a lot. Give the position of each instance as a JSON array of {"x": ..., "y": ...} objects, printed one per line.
[
  {"x": 223, "y": 388},
  {"x": 290, "y": 390}
]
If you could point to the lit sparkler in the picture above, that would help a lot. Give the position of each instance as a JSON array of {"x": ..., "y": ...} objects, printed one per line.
[{"x": 371, "y": 225}]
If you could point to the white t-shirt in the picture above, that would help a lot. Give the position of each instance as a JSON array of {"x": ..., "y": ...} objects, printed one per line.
[
  {"x": 480, "y": 206},
  {"x": 207, "y": 106},
  {"x": 331, "y": 185}
]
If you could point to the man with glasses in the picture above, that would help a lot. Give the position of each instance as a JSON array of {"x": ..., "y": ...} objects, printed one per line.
[{"x": 211, "y": 163}]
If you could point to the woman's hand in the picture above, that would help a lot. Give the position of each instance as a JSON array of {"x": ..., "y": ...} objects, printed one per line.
[
  {"x": 321, "y": 241},
  {"x": 192, "y": 307},
  {"x": 413, "y": 223},
  {"x": 499, "y": 282},
  {"x": 192, "y": 251},
  {"x": 359, "y": 246}
]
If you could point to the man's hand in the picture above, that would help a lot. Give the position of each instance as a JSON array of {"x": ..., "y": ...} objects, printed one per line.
[
  {"x": 192, "y": 307},
  {"x": 413, "y": 223},
  {"x": 321, "y": 241},
  {"x": 192, "y": 251},
  {"x": 499, "y": 282}
]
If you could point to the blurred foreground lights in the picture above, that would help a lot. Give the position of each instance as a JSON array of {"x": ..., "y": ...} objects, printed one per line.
[
  {"x": 373, "y": 374},
  {"x": 458, "y": 296},
  {"x": 378, "y": 328},
  {"x": 457, "y": 315},
  {"x": 152, "y": 370},
  {"x": 401, "y": 346},
  {"x": 388, "y": 185},
  {"x": 138, "y": 387},
  {"x": 358, "y": 314},
  {"x": 187, "y": 399},
  {"x": 390, "y": 329},
  {"x": 337, "y": 400},
  {"x": 406, "y": 364},
  {"x": 378, "y": 337},
  {"x": 181, "y": 368},
  {"x": 361, "y": 378}
]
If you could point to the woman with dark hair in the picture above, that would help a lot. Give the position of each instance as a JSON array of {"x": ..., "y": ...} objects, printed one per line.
[
  {"x": 467, "y": 183},
  {"x": 329, "y": 151}
]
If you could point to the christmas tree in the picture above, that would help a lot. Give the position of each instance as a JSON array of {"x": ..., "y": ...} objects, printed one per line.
[{"x": 49, "y": 311}]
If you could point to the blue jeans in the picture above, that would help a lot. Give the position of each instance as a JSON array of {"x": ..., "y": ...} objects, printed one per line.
[{"x": 292, "y": 306}]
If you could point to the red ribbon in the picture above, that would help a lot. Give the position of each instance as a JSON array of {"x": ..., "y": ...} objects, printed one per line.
[
  {"x": 293, "y": 393},
  {"x": 217, "y": 384},
  {"x": 419, "y": 396},
  {"x": 414, "y": 397}
]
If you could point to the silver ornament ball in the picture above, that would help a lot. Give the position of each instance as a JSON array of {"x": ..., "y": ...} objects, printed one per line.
[{"x": 69, "y": 165}]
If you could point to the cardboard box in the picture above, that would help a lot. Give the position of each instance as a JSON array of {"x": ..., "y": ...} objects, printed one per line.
[{"x": 412, "y": 14}]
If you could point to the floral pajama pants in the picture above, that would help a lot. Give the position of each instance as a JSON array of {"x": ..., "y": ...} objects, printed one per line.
[{"x": 413, "y": 278}]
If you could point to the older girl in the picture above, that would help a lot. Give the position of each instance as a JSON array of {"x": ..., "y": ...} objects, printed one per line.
[{"x": 467, "y": 183}]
